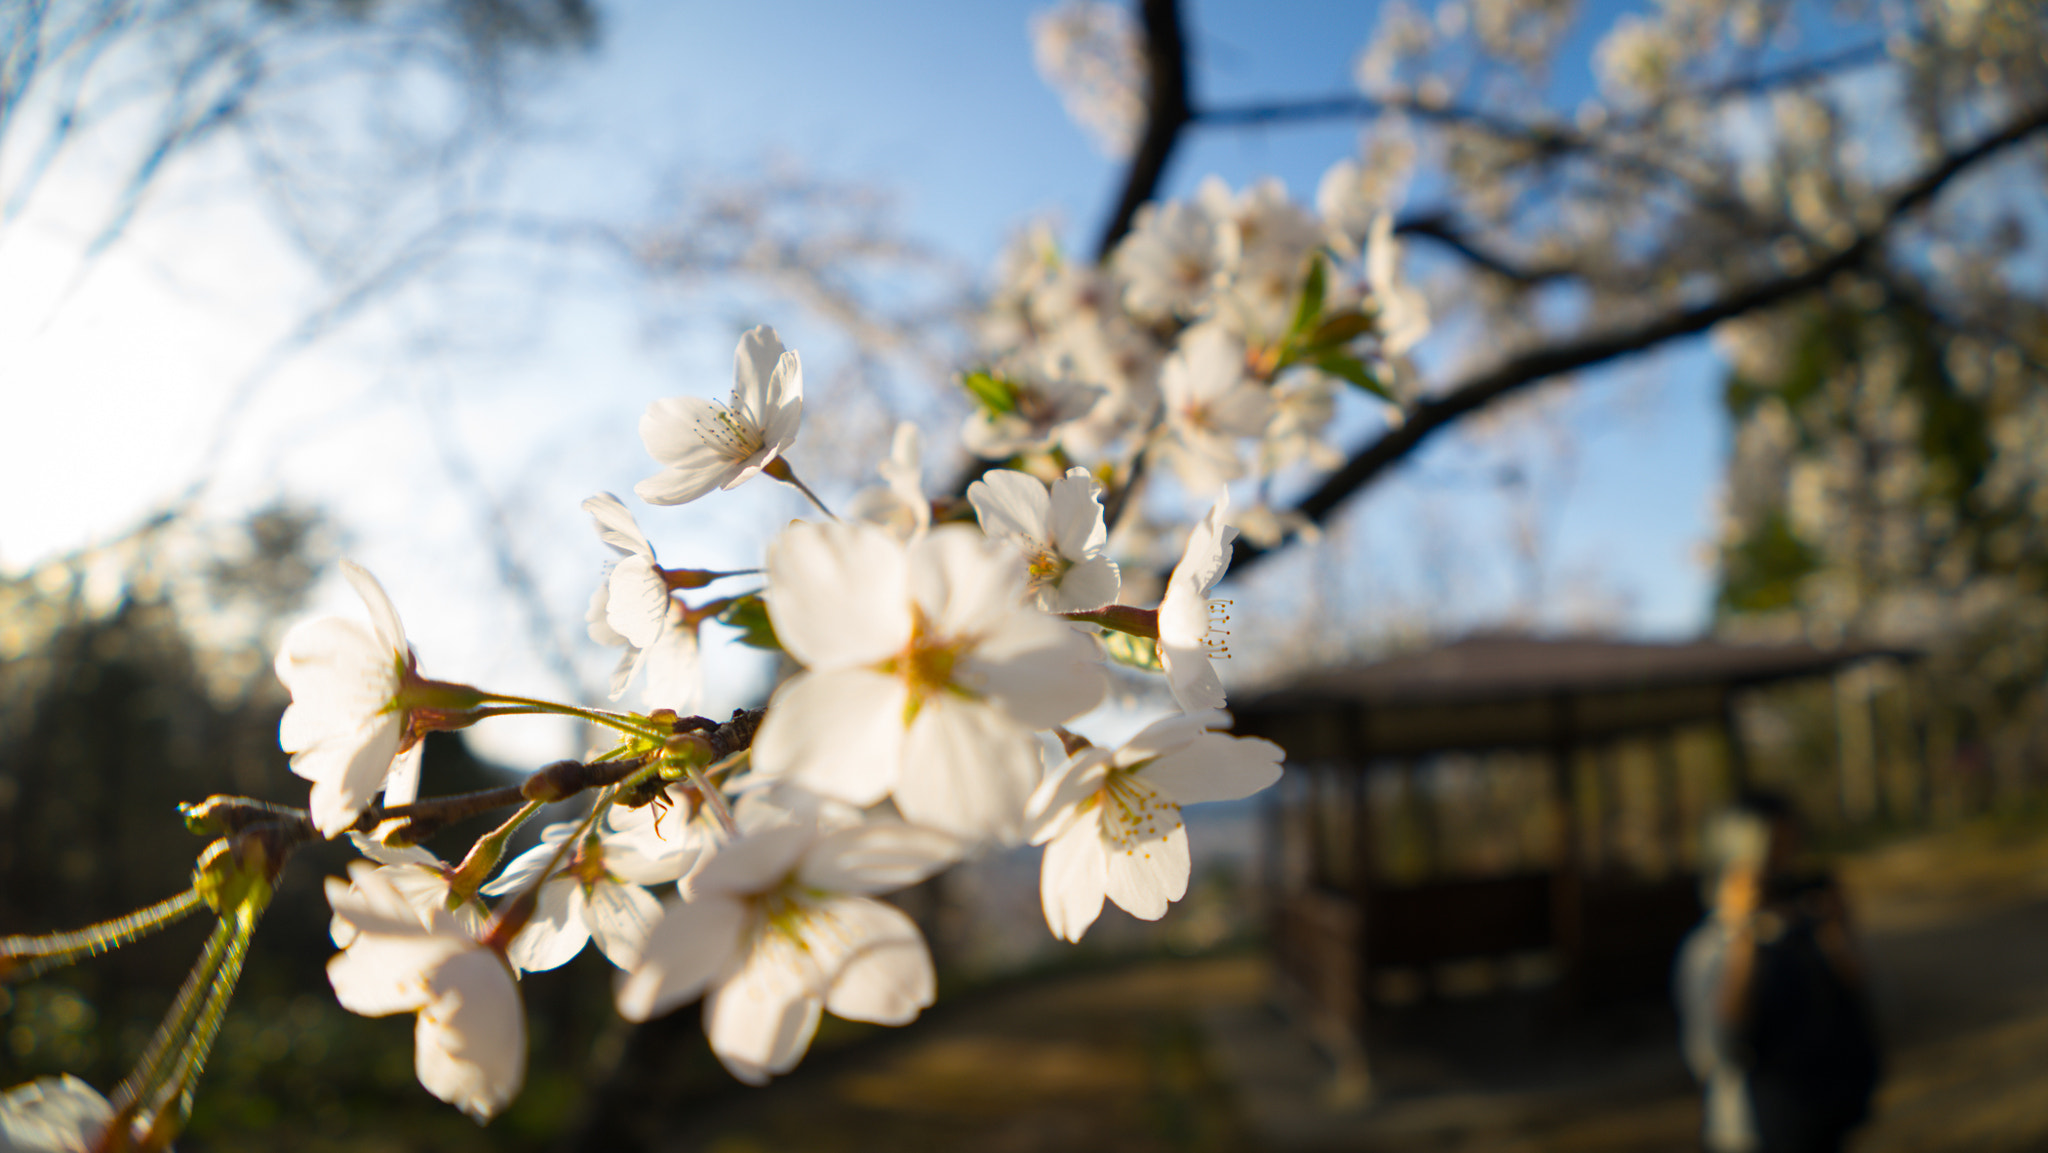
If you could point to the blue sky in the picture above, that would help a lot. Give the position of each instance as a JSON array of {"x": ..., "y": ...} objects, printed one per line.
[
  {"x": 940, "y": 103},
  {"x": 520, "y": 384}
]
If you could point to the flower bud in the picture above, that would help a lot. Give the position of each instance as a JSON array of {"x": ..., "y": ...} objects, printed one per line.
[{"x": 233, "y": 873}]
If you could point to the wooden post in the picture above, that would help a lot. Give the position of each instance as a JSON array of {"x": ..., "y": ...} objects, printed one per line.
[
  {"x": 1731, "y": 735},
  {"x": 1671, "y": 815},
  {"x": 1855, "y": 745},
  {"x": 1567, "y": 886}
]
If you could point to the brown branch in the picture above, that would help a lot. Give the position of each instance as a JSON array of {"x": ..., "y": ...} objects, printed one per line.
[
  {"x": 1167, "y": 111},
  {"x": 1437, "y": 413},
  {"x": 290, "y": 827},
  {"x": 1441, "y": 228}
]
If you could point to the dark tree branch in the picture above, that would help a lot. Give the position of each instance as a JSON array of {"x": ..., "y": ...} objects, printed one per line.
[
  {"x": 1437, "y": 413},
  {"x": 1167, "y": 111},
  {"x": 1441, "y": 228},
  {"x": 1544, "y": 138}
]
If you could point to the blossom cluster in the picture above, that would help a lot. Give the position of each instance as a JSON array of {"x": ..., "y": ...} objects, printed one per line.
[
  {"x": 937, "y": 661},
  {"x": 1214, "y": 339},
  {"x": 939, "y": 649}
]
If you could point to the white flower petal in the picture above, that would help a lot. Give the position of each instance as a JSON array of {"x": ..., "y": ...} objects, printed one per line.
[
  {"x": 1147, "y": 848},
  {"x": 369, "y": 902},
  {"x": 754, "y": 363},
  {"x": 383, "y": 614},
  {"x": 621, "y": 917},
  {"x": 1037, "y": 668},
  {"x": 1075, "y": 515},
  {"x": 758, "y": 861},
  {"x": 526, "y": 868},
  {"x": 968, "y": 769},
  {"x": 837, "y": 732},
  {"x": 1072, "y": 878},
  {"x": 1009, "y": 503},
  {"x": 785, "y": 404},
  {"x": 616, "y": 526},
  {"x": 878, "y": 856},
  {"x": 816, "y": 572},
  {"x": 347, "y": 772},
  {"x": 402, "y": 783},
  {"x": 378, "y": 975},
  {"x": 692, "y": 944},
  {"x": 675, "y": 670},
  {"x": 1184, "y": 624},
  {"x": 651, "y": 845},
  {"x": 600, "y": 632},
  {"x": 637, "y": 604},
  {"x": 964, "y": 582},
  {"x": 59, "y": 1114},
  {"x": 882, "y": 971},
  {"x": 1057, "y": 800},
  {"x": 1090, "y": 584},
  {"x": 385, "y": 854},
  {"x": 470, "y": 1042},
  {"x": 670, "y": 429},
  {"x": 761, "y": 1019},
  {"x": 557, "y": 931},
  {"x": 1216, "y": 767}
]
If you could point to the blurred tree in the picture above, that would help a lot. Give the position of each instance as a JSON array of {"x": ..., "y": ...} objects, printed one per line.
[{"x": 1739, "y": 156}]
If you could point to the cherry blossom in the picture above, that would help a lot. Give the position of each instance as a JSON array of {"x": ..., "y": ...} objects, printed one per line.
[
  {"x": 926, "y": 672},
  {"x": 1304, "y": 404},
  {"x": 1046, "y": 408},
  {"x": 358, "y": 702},
  {"x": 597, "y": 895},
  {"x": 423, "y": 879},
  {"x": 1173, "y": 259},
  {"x": 470, "y": 1037},
  {"x": 53, "y": 1115},
  {"x": 899, "y": 503},
  {"x": 705, "y": 445},
  {"x": 1111, "y": 821},
  {"x": 1210, "y": 402},
  {"x": 783, "y": 925},
  {"x": 1404, "y": 311},
  {"x": 633, "y": 607},
  {"x": 1273, "y": 239},
  {"x": 1059, "y": 530},
  {"x": 1344, "y": 198},
  {"x": 1190, "y": 625}
]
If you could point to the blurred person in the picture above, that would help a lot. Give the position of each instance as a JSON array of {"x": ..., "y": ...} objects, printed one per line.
[{"x": 1770, "y": 994}]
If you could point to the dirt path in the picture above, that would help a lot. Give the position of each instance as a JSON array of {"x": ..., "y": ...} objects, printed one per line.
[{"x": 1191, "y": 1055}]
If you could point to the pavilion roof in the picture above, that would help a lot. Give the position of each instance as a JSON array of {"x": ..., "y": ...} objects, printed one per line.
[{"x": 1510, "y": 691}]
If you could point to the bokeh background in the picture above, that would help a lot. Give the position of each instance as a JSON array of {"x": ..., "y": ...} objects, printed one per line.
[{"x": 283, "y": 281}]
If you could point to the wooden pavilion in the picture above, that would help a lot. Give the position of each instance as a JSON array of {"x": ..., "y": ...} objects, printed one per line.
[{"x": 1601, "y": 928}]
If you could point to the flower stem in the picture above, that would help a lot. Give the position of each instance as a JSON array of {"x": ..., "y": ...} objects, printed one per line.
[
  {"x": 780, "y": 470},
  {"x": 24, "y": 957},
  {"x": 155, "y": 1067},
  {"x": 485, "y": 855},
  {"x": 512, "y": 913},
  {"x": 523, "y": 705},
  {"x": 176, "y": 1098},
  {"x": 713, "y": 799}
]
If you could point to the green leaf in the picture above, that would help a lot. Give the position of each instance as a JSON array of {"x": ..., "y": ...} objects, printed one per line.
[
  {"x": 1340, "y": 328},
  {"x": 1348, "y": 367},
  {"x": 749, "y": 614},
  {"x": 991, "y": 392},
  {"x": 1310, "y": 306},
  {"x": 1137, "y": 652}
]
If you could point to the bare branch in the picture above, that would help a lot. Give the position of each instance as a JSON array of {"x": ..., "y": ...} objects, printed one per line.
[{"x": 1167, "y": 111}]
